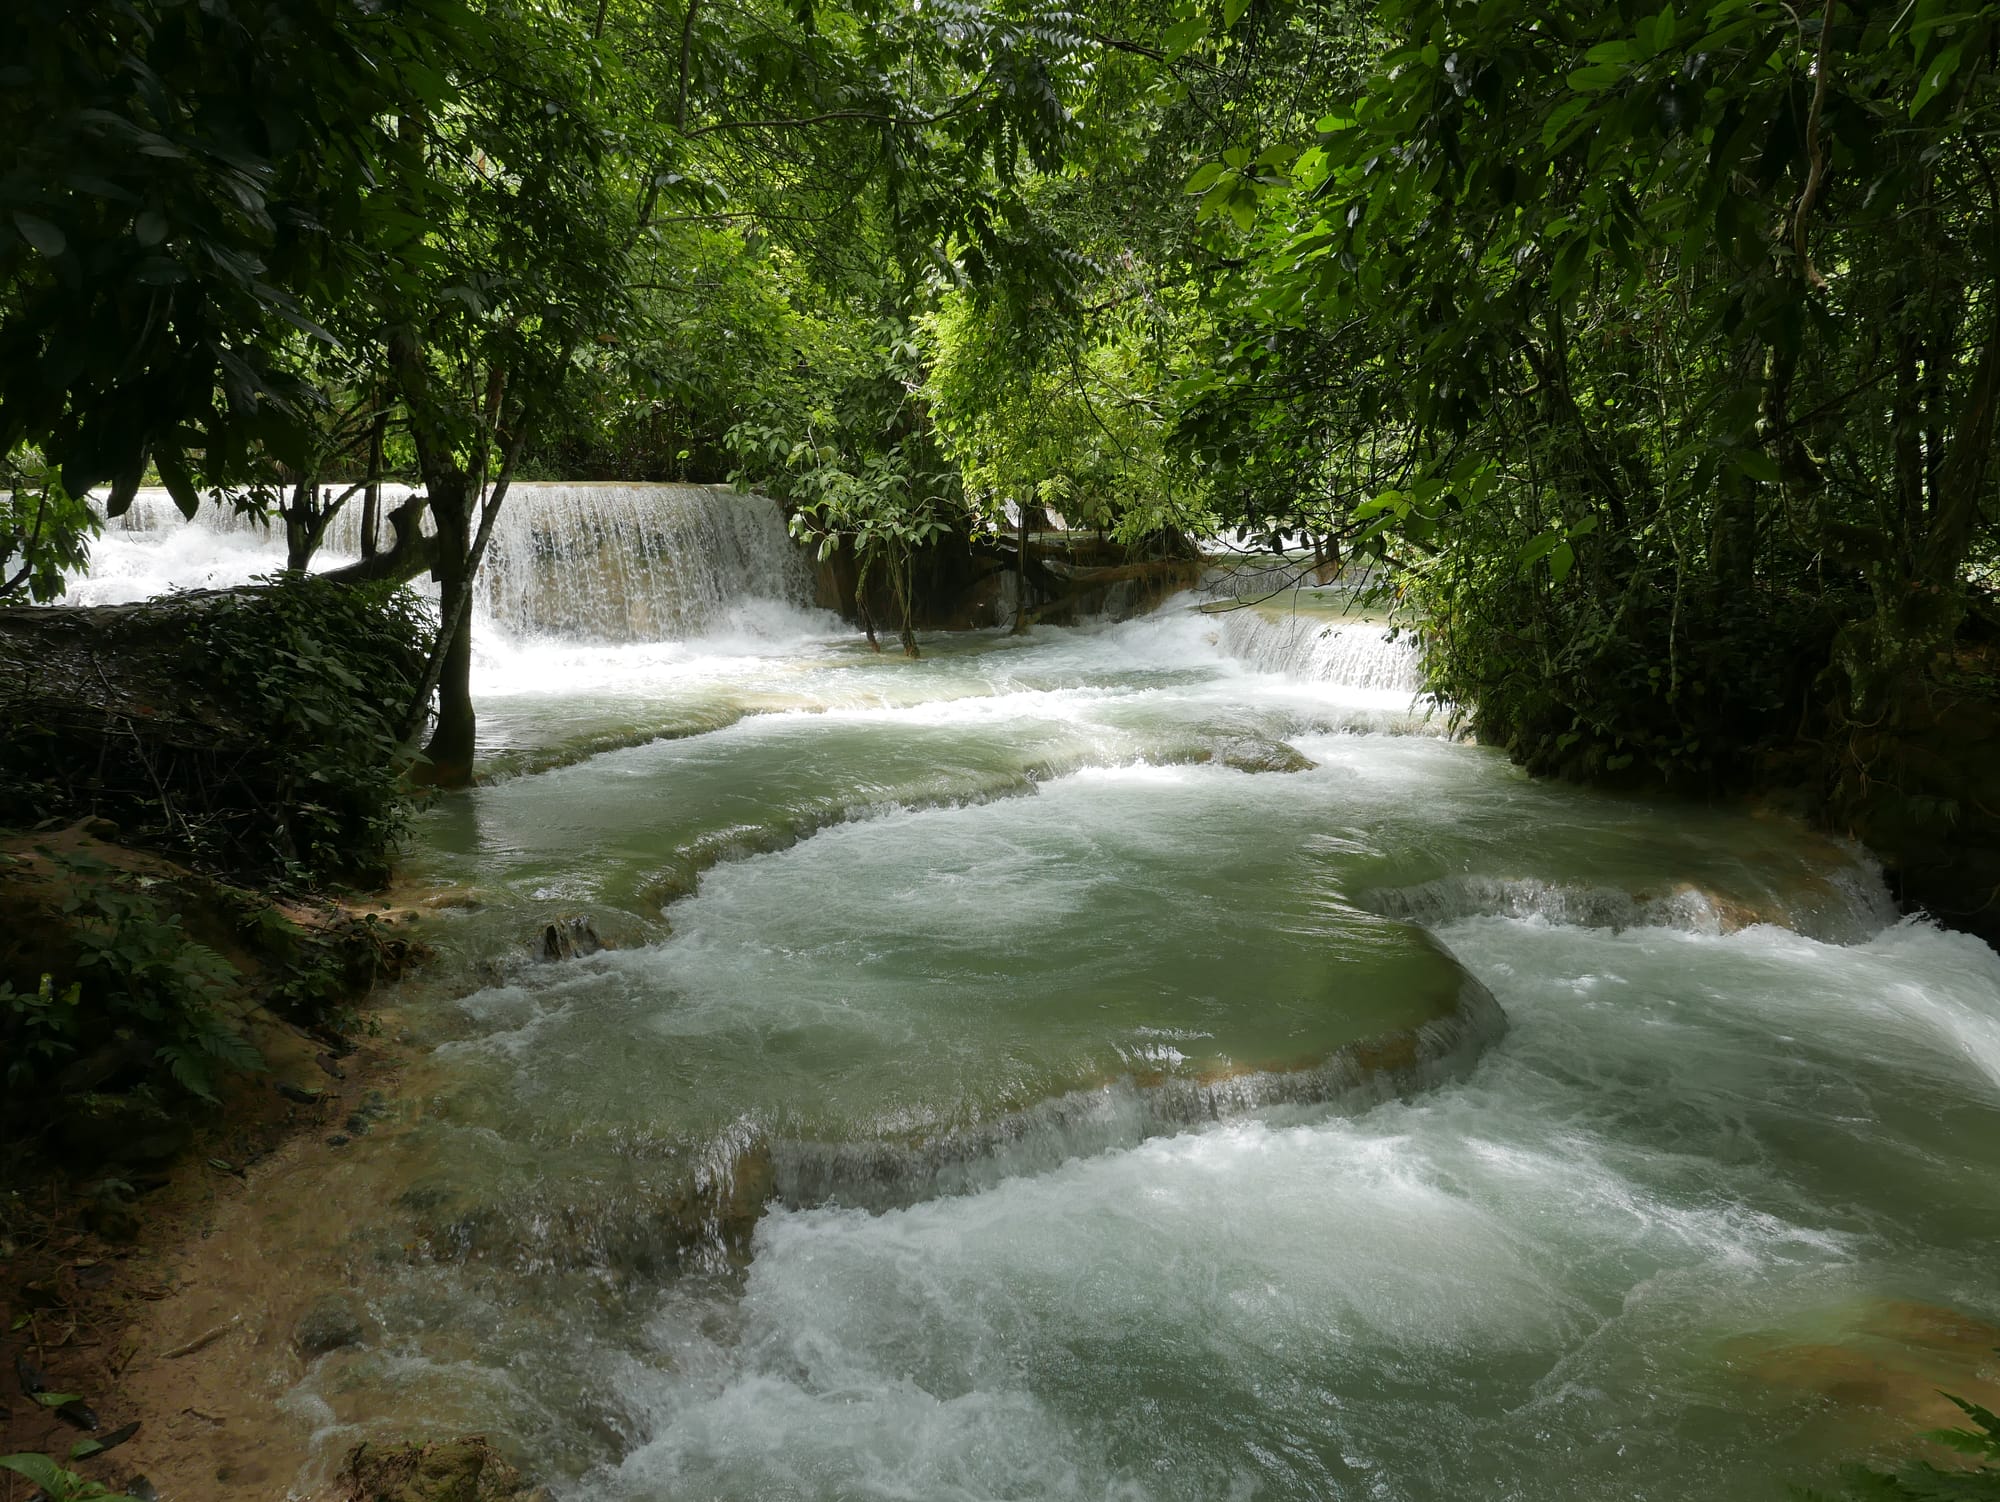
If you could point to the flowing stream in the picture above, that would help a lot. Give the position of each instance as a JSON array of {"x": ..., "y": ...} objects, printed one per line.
[{"x": 1148, "y": 1060}]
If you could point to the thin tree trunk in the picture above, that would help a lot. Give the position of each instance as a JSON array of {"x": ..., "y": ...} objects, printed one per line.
[
  {"x": 371, "y": 496},
  {"x": 454, "y": 737},
  {"x": 1020, "y": 567},
  {"x": 299, "y": 530}
]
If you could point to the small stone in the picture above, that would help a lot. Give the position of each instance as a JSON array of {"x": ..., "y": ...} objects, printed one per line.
[
  {"x": 338, "y": 1139},
  {"x": 330, "y": 1324},
  {"x": 464, "y": 898}
]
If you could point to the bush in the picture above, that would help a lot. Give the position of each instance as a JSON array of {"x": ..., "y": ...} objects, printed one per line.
[
  {"x": 139, "y": 986},
  {"x": 256, "y": 731},
  {"x": 324, "y": 674}
]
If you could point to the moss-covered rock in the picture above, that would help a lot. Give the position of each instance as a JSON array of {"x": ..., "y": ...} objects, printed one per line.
[{"x": 455, "y": 1470}]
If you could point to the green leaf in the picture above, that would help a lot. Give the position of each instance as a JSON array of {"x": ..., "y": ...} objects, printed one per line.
[
  {"x": 1232, "y": 11},
  {"x": 1560, "y": 117},
  {"x": 1596, "y": 78},
  {"x": 1539, "y": 549},
  {"x": 39, "y": 1469},
  {"x": 44, "y": 236},
  {"x": 1756, "y": 464},
  {"x": 1936, "y": 76},
  {"x": 1183, "y": 35},
  {"x": 174, "y": 475},
  {"x": 1203, "y": 177},
  {"x": 1569, "y": 265}
]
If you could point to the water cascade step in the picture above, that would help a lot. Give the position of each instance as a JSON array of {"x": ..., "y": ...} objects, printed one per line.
[
  {"x": 1326, "y": 644},
  {"x": 1073, "y": 1065},
  {"x": 596, "y": 562}
]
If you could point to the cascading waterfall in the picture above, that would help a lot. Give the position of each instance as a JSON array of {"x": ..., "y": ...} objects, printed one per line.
[
  {"x": 635, "y": 562},
  {"x": 1320, "y": 648},
  {"x": 597, "y": 562}
]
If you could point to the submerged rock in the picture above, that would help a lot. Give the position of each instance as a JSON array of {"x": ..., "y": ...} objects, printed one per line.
[
  {"x": 329, "y": 1324},
  {"x": 1896, "y": 1358},
  {"x": 1254, "y": 754},
  {"x": 455, "y": 1470}
]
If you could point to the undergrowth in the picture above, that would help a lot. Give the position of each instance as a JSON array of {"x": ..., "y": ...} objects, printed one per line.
[
  {"x": 139, "y": 994},
  {"x": 254, "y": 733}
]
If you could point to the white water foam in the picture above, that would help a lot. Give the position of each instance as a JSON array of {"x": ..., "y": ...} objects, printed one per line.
[{"x": 1355, "y": 654}]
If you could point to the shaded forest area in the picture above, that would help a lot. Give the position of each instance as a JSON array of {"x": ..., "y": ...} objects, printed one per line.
[{"x": 1649, "y": 358}]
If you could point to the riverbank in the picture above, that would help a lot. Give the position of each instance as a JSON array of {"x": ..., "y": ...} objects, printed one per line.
[{"x": 119, "y": 1191}]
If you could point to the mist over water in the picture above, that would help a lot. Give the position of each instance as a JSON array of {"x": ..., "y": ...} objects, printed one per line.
[{"x": 1074, "y": 1066}]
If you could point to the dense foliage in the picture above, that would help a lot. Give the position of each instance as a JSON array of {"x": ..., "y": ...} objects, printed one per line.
[
  {"x": 1660, "y": 350},
  {"x": 258, "y": 732},
  {"x": 137, "y": 986}
]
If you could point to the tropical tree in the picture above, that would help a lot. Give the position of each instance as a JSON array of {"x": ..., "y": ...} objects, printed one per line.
[
  {"x": 188, "y": 188},
  {"x": 1660, "y": 347}
]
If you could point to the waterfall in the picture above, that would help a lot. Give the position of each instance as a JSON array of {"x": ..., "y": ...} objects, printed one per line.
[
  {"x": 1320, "y": 648},
  {"x": 603, "y": 562},
  {"x": 636, "y": 562}
]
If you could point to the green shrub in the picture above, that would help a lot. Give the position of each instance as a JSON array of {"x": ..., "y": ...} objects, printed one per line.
[
  {"x": 324, "y": 675},
  {"x": 255, "y": 732},
  {"x": 139, "y": 978}
]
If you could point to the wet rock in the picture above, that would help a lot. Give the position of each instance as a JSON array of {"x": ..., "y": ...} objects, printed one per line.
[
  {"x": 330, "y": 1324},
  {"x": 466, "y": 899},
  {"x": 1253, "y": 754},
  {"x": 570, "y": 937},
  {"x": 1888, "y": 1357},
  {"x": 458, "y": 1470},
  {"x": 92, "y": 1130}
]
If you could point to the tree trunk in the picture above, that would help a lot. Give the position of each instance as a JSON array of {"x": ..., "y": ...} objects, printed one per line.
[
  {"x": 299, "y": 529},
  {"x": 1021, "y": 568},
  {"x": 905, "y": 602},
  {"x": 411, "y": 554},
  {"x": 371, "y": 497},
  {"x": 452, "y": 739},
  {"x": 450, "y": 749}
]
